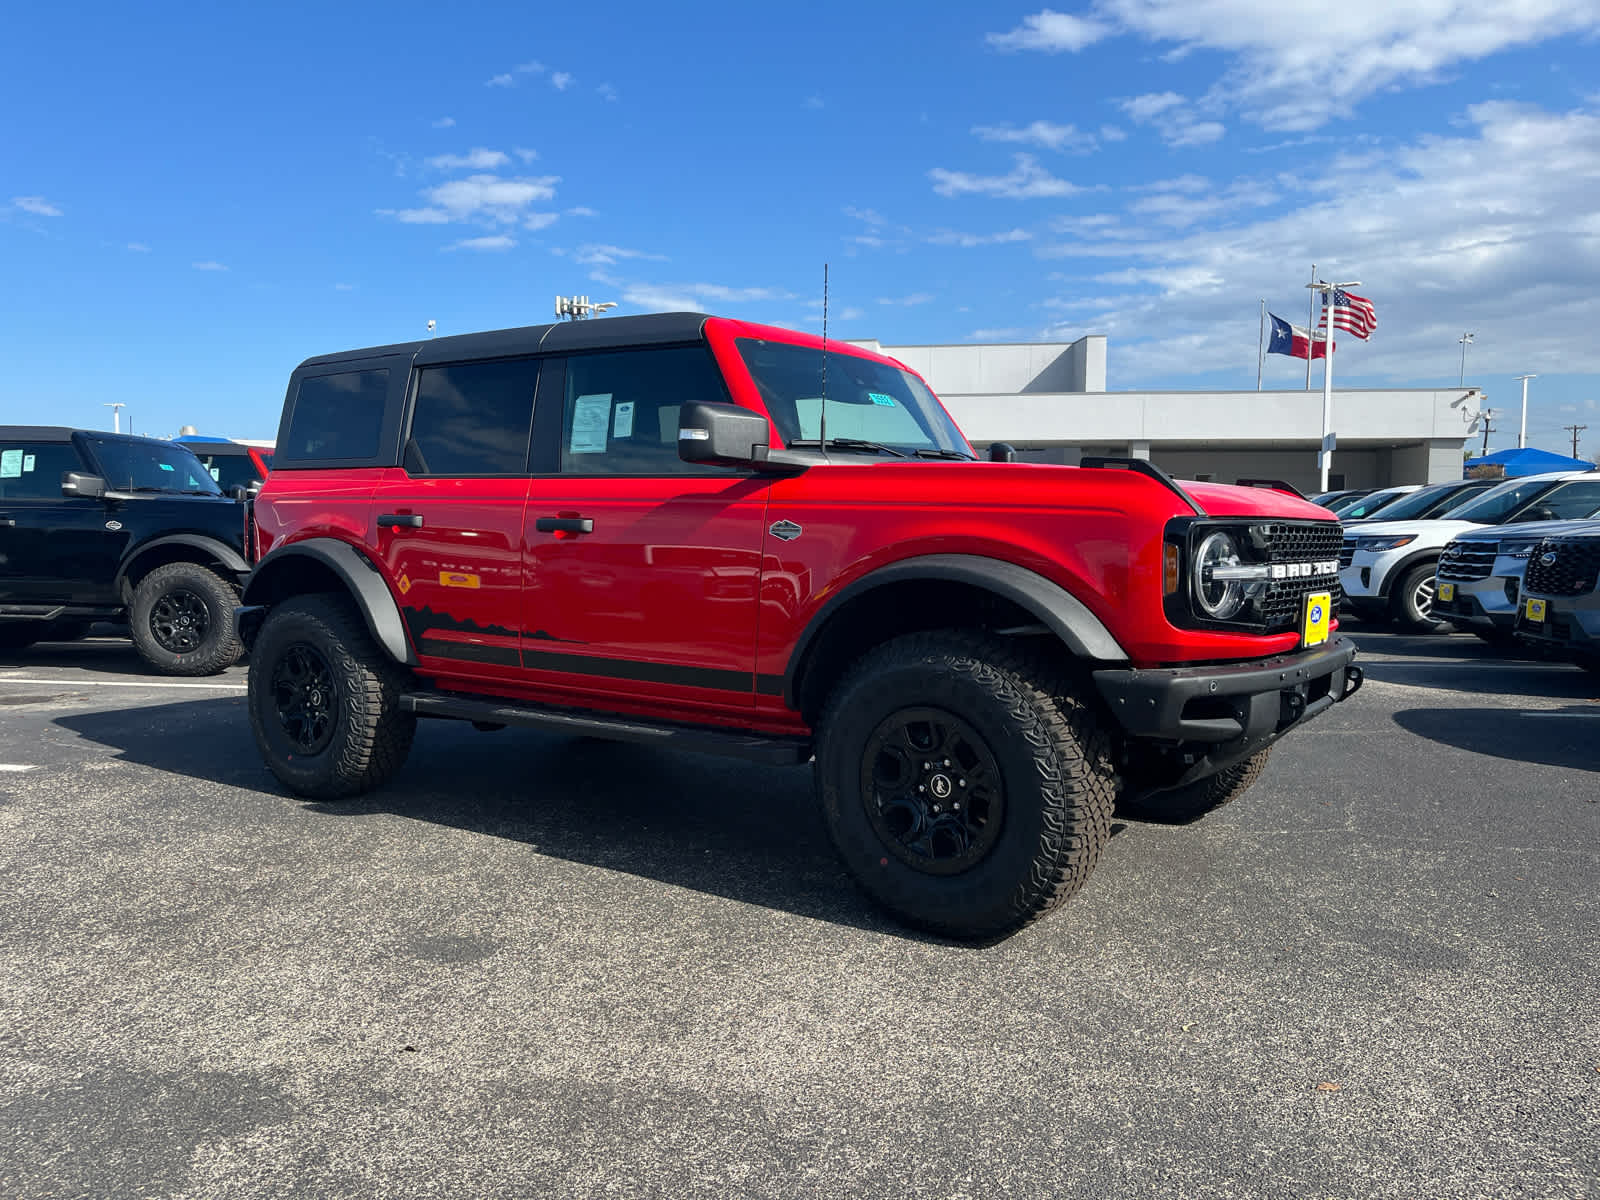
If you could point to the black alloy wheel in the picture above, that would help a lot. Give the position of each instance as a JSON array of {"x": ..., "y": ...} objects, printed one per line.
[
  {"x": 932, "y": 790},
  {"x": 304, "y": 697},
  {"x": 179, "y": 620}
]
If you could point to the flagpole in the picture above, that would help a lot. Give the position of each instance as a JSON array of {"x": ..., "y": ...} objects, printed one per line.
[
  {"x": 1311, "y": 324},
  {"x": 1325, "y": 451},
  {"x": 1261, "y": 344}
]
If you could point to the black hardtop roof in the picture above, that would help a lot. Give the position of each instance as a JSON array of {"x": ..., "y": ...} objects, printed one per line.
[
  {"x": 603, "y": 333},
  {"x": 62, "y": 433}
]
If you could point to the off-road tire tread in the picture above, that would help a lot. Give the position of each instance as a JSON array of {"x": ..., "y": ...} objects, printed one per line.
[
  {"x": 1072, "y": 756},
  {"x": 1195, "y": 800},
  {"x": 374, "y": 736},
  {"x": 221, "y": 655}
]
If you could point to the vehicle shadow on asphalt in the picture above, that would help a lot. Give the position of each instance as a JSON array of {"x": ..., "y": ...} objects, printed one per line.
[
  {"x": 741, "y": 831},
  {"x": 1564, "y": 737},
  {"x": 1556, "y": 681},
  {"x": 108, "y": 655}
]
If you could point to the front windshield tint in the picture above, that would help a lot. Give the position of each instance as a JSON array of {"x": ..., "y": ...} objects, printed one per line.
[
  {"x": 130, "y": 466},
  {"x": 1375, "y": 504},
  {"x": 867, "y": 400},
  {"x": 1414, "y": 505},
  {"x": 1498, "y": 502}
]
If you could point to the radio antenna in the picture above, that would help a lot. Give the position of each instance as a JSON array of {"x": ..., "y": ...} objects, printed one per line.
[{"x": 822, "y": 416}]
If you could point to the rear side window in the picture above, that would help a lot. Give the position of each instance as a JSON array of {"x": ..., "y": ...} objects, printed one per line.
[
  {"x": 620, "y": 415},
  {"x": 337, "y": 418},
  {"x": 33, "y": 470},
  {"x": 1569, "y": 502},
  {"x": 472, "y": 419}
]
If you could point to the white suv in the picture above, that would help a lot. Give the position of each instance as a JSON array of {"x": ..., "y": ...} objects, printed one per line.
[{"x": 1387, "y": 567}]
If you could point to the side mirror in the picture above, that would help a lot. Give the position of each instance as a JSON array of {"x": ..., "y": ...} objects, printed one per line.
[
  {"x": 248, "y": 491},
  {"x": 1002, "y": 452},
  {"x": 77, "y": 483},
  {"x": 724, "y": 434}
]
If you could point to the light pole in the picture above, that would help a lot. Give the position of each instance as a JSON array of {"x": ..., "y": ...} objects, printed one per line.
[
  {"x": 1522, "y": 437},
  {"x": 116, "y": 415},
  {"x": 1325, "y": 453},
  {"x": 1466, "y": 340}
]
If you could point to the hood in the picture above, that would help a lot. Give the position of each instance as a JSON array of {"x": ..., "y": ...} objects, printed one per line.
[
  {"x": 1442, "y": 530},
  {"x": 1229, "y": 500},
  {"x": 1525, "y": 529}
]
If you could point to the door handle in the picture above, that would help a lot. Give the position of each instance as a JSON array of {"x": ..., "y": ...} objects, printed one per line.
[
  {"x": 7, "y": 521},
  {"x": 405, "y": 520},
  {"x": 564, "y": 525}
]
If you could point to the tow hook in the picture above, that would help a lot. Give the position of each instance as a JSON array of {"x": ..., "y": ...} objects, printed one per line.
[{"x": 1354, "y": 677}]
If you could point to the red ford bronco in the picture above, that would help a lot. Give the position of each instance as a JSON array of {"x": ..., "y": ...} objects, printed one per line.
[{"x": 707, "y": 534}]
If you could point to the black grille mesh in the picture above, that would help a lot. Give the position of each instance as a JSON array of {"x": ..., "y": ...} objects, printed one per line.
[
  {"x": 1283, "y": 602},
  {"x": 1573, "y": 571}
]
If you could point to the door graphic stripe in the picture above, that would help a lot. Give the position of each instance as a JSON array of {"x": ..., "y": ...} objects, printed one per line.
[{"x": 606, "y": 668}]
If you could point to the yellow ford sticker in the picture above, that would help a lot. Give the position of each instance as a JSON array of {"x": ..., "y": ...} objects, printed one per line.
[
  {"x": 1319, "y": 618},
  {"x": 1447, "y": 591},
  {"x": 1533, "y": 609},
  {"x": 462, "y": 579}
]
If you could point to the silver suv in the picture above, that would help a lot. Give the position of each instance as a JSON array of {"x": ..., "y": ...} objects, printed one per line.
[
  {"x": 1478, "y": 583},
  {"x": 1560, "y": 606}
]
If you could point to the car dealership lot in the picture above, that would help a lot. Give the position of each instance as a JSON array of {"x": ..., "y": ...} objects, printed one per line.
[{"x": 543, "y": 966}]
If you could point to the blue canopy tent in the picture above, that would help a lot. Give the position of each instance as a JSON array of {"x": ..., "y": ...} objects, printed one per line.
[{"x": 1528, "y": 462}]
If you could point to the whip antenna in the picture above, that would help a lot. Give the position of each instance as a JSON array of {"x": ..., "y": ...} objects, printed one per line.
[{"x": 822, "y": 415}]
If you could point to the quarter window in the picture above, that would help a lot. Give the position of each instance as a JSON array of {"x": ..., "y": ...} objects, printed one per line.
[
  {"x": 620, "y": 415},
  {"x": 338, "y": 417},
  {"x": 1569, "y": 502},
  {"x": 472, "y": 419},
  {"x": 33, "y": 470}
]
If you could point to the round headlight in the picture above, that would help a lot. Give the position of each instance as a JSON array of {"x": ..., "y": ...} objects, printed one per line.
[{"x": 1219, "y": 599}]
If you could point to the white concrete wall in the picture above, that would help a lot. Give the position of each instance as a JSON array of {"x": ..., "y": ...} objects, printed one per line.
[{"x": 1006, "y": 369}]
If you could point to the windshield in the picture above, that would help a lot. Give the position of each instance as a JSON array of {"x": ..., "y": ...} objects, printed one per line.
[
  {"x": 140, "y": 466},
  {"x": 868, "y": 401},
  {"x": 1366, "y": 506},
  {"x": 1497, "y": 503},
  {"x": 1428, "y": 501},
  {"x": 230, "y": 470}
]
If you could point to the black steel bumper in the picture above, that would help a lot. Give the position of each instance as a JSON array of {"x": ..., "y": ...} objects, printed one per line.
[{"x": 1249, "y": 703}]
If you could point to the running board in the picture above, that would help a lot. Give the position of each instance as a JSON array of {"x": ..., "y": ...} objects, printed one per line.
[{"x": 755, "y": 747}]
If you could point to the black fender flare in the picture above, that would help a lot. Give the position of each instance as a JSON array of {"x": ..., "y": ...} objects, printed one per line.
[
  {"x": 361, "y": 579},
  {"x": 1398, "y": 571},
  {"x": 1062, "y": 613},
  {"x": 215, "y": 547}
]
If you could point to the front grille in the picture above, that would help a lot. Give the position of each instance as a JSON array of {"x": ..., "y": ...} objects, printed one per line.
[
  {"x": 1347, "y": 553},
  {"x": 1572, "y": 571},
  {"x": 1465, "y": 562},
  {"x": 1283, "y": 602}
]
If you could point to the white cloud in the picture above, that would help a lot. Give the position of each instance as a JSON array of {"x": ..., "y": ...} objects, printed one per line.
[
  {"x": 487, "y": 198},
  {"x": 1150, "y": 105},
  {"x": 540, "y": 220},
  {"x": 525, "y": 154},
  {"x": 500, "y": 81},
  {"x": 1051, "y": 32},
  {"x": 417, "y": 216},
  {"x": 561, "y": 81},
  {"x": 1280, "y": 55},
  {"x": 1039, "y": 133},
  {"x": 494, "y": 243},
  {"x": 208, "y": 265},
  {"x": 533, "y": 67},
  {"x": 852, "y": 314},
  {"x": 1196, "y": 133},
  {"x": 37, "y": 205},
  {"x": 478, "y": 159},
  {"x": 445, "y": 123},
  {"x": 596, "y": 254},
  {"x": 1028, "y": 180},
  {"x": 1494, "y": 230},
  {"x": 1112, "y": 133},
  {"x": 606, "y": 92},
  {"x": 814, "y": 102},
  {"x": 995, "y": 335},
  {"x": 1177, "y": 120},
  {"x": 344, "y": 287},
  {"x": 910, "y": 301},
  {"x": 138, "y": 247},
  {"x": 694, "y": 297},
  {"x": 582, "y": 211},
  {"x": 949, "y": 237}
]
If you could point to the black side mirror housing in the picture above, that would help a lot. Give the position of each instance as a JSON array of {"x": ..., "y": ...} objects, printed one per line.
[
  {"x": 1002, "y": 452},
  {"x": 723, "y": 434},
  {"x": 83, "y": 485}
]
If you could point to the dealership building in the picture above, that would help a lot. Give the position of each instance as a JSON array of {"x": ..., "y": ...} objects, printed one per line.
[{"x": 1050, "y": 401}]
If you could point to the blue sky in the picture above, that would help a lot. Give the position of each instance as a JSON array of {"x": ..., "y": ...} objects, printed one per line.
[{"x": 191, "y": 202}]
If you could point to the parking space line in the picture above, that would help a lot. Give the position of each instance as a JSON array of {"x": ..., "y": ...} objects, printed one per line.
[
  {"x": 4, "y": 767},
  {"x": 68, "y": 682}
]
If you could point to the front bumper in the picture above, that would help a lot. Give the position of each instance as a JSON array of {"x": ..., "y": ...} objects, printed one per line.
[
  {"x": 1367, "y": 576},
  {"x": 1480, "y": 603},
  {"x": 1243, "y": 705},
  {"x": 1565, "y": 630}
]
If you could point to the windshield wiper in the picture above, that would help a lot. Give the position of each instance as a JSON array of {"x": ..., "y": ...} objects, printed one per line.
[
  {"x": 942, "y": 453},
  {"x": 846, "y": 443}
]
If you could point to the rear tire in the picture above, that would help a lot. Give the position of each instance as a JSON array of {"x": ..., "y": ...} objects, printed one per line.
[
  {"x": 1412, "y": 604},
  {"x": 965, "y": 782},
  {"x": 182, "y": 620},
  {"x": 1194, "y": 800},
  {"x": 325, "y": 700}
]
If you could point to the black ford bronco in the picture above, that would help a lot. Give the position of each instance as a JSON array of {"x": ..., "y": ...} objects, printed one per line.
[{"x": 107, "y": 527}]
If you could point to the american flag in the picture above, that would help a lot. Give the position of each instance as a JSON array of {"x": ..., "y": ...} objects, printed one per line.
[{"x": 1351, "y": 313}]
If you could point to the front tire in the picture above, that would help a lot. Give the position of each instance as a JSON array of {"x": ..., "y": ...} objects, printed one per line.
[
  {"x": 182, "y": 622},
  {"x": 325, "y": 700},
  {"x": 1413, "y": 601},
  {"x": 965, "y": 782}
]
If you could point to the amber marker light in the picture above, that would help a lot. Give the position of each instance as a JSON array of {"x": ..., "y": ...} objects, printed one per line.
[{"x": 1170, "y": 575}]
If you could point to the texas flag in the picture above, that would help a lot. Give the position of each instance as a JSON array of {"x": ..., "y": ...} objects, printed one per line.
[{"x": 1295, "y": 340}]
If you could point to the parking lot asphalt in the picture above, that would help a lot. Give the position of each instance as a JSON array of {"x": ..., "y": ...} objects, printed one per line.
[{"x": 541, "y": 966}]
